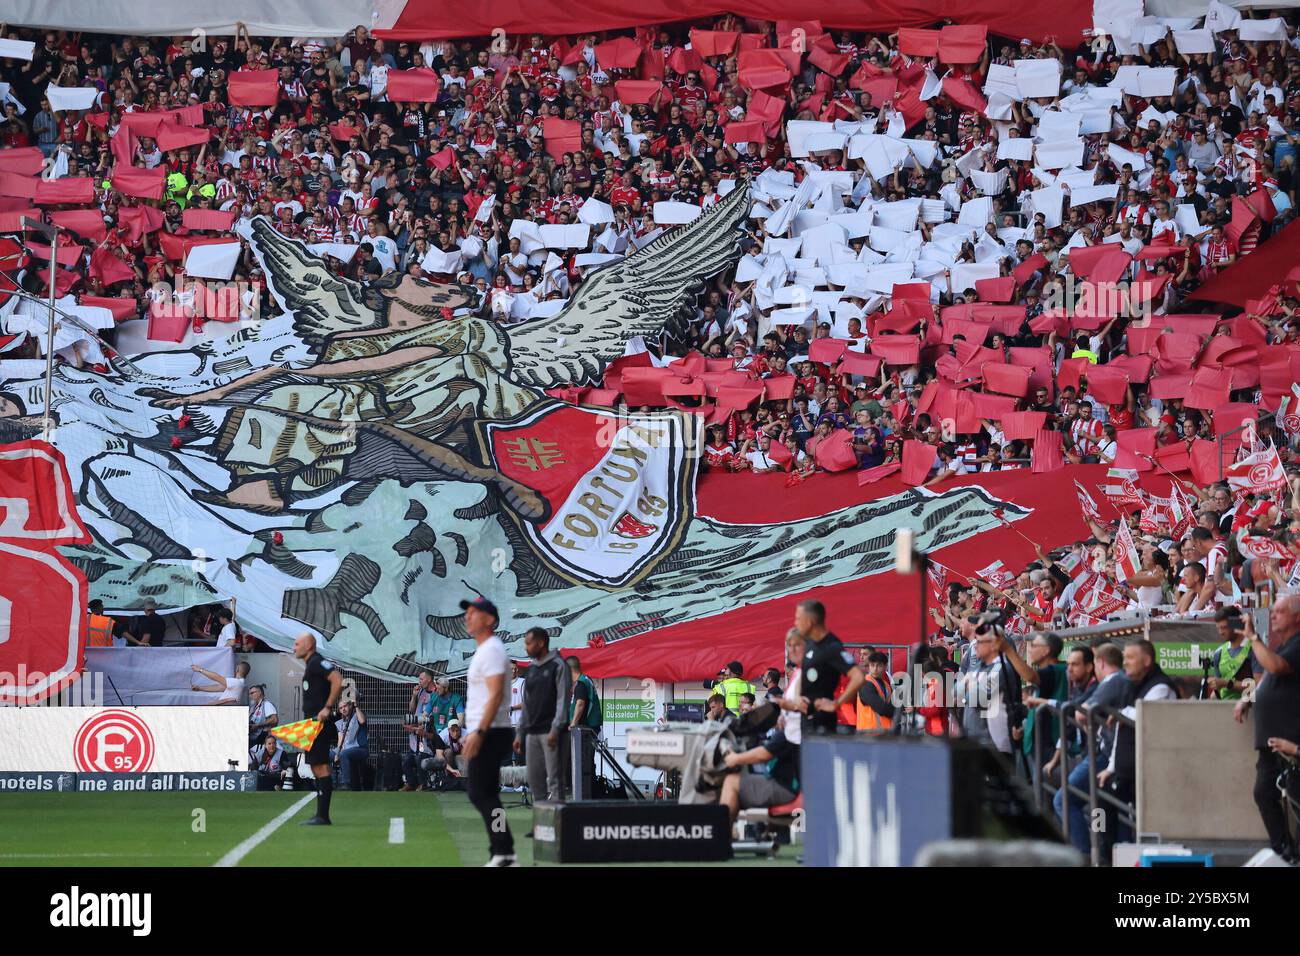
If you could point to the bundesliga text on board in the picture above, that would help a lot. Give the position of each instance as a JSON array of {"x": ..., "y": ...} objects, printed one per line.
[
  {"x": 698, "y": 831},
  {"x": 75, "y": 909}
]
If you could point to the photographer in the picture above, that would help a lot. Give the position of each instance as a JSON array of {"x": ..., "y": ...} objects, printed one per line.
[
  {"x": 354, "y": 744},
  {"x": 262, "y": 715},
  {"x": 1233, "y": 663},
  {"x": 267, "y": 761},
  {"x": 730, "y": 684}
]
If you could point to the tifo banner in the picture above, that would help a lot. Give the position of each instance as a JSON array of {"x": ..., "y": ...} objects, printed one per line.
[
  {"x": 123, "y": 740},
  {"x": 42, "y": 594},
  {"x": 357, "y": 465},
  {"x": 423, "y": 19},
  {"x": 156, "y": 676}
]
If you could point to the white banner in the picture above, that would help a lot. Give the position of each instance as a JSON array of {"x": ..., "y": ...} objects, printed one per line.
[
  {"x": 156, "y": 676},
  {"x": 123, "y": 739}
]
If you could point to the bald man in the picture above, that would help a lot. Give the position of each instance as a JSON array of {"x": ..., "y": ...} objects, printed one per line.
[
  {"x": 1276, "y": 709},
  {"x": 321, "y": 686}
]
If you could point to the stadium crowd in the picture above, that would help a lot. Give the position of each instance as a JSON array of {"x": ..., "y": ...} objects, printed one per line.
[{"x": 965, "y": 253}]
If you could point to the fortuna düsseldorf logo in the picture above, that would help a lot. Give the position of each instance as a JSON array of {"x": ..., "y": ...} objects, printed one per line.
[{"x": 115, "y": 741}]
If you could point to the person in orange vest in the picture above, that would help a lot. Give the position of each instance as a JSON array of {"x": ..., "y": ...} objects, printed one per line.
[
  {"x": 100, "y": 629},
  {"x": 875, "y": 699}
]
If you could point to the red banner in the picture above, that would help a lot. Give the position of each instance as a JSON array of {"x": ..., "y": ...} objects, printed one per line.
[
  {"x": 254, "y": 88},
  {"x": 413, "y": 86}
]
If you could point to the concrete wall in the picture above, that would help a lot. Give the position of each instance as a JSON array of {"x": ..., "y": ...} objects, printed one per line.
[
  {"x": 282, "y": 675},
  {"x": 1196, "y": 772}
]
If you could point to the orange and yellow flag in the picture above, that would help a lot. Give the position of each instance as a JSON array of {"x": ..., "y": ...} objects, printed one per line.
[{"x": 300, "y": 734}]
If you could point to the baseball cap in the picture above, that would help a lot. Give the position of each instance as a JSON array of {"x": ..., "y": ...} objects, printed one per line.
[
  {"x": 483, "y": 604},
  {"x": 454, "y": 722}
]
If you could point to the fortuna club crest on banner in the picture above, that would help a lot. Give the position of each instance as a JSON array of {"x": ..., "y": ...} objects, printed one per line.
[{"x": 617, "y": 490}]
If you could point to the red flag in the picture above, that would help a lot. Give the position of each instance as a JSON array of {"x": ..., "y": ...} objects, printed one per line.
[
  {"x": 178, "y": 137},
  {"x": 996, "y": 290},
  {"x": 918, "y": 459},
  {"x": 639, "y": 91},
  {"x": 835, "y": 451},
  {"x": 747, "y": 132},
  {"x": 782, "y": 455},
  {"x": 1086, "y": 503},
  {"x": 88, "y": 223},
  {"x": 1122, "y": 487},
  {"x": 70, "y": 190},
  {"x": 714, "y": 42},
  {"x": 827, "y": 351},
  {"x": 108, "y": 268},
  {"x": 561, "y": 136},
  {"x": 997, "y": 575},
  {"x": 1006, "y": 379},
  {"x": 1258, "y": 473},
  {"x": 962, "y": 43},
  {"x": 413, "y": 86},
  {"x": 1134, "y": 449},
  {"x": 140, "y": 220},
  {"x": 917, "y": 42},
  {"x": 1127, "y": 561},
  {"x": 1047, "y": 453},
  {"x": 1019, "y": 426},
  {"x": 253, "y": 88},
  {"x": 870, "y": 475},
  {"x": 1258, "y": 546},
  {"x": 144, "y": 183},
  {"x": 207, "y": 220},
  {"x": 964, "y": 94}
]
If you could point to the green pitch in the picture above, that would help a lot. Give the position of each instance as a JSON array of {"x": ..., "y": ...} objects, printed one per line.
[{"x": 196, "y": 829}]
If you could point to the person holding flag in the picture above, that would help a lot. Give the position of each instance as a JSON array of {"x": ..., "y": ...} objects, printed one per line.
[{"x": 322, "y": 684}]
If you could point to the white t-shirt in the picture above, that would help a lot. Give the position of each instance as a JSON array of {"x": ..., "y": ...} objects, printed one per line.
[
  {"x": 793, "y": 727},
  {"x": 516, "y": 700},
  {"x": 489, "y": 660},
  {"x": 227, "y": 636},
  {"x": 260, "y": 712},
  {"x": 234, "y": 689}
]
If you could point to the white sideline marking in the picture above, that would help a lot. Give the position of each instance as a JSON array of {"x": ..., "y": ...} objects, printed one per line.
[
  {"x": 248, "y": 846},
  {"x": 397, "y": 830}
]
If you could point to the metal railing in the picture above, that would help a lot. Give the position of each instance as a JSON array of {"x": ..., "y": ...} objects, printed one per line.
[{"x": 1044, "y": 790}]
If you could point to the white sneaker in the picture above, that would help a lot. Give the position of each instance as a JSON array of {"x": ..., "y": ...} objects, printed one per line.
[{"x": 503, "y": 860}]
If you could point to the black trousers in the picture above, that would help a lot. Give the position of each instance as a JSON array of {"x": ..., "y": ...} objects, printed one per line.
[
  {"x": 484, "y": 786},
  {"x": 1269, "y": 800}
]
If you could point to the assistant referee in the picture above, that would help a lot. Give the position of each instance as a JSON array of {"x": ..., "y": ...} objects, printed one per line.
[{"x": 321, "y": 686}]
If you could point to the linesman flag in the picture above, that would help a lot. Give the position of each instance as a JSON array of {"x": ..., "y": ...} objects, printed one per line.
[{"x": 301, "y": 734}]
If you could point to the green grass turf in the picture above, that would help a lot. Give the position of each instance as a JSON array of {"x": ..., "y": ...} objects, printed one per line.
[{"x": 157, "y": 829}]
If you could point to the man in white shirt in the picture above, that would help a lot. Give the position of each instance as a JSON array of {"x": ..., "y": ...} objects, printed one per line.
[
  {"x": 758, "y": 458},
  {"x": 229, "y": 633},
  {"x": 487, "y": 714},
  {"x": 1165, "y": 222}
]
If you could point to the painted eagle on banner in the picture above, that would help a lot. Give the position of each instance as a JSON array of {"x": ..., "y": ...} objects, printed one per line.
[{"x": 359, "y": 463}]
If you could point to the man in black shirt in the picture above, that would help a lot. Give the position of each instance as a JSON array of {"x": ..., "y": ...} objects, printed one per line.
[
  {"x": 779, "y": 786},
  {"x": 824, "y": 662},
  {"x": 1277, "y": 713},
  {"x": 147, "y": 630},
  {"x": 321, "y": 686},
  {"x": 544, "y": 718}
]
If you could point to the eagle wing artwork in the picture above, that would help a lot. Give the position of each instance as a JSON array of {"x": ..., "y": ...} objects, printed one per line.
[{"x": 357, "y": 463}]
